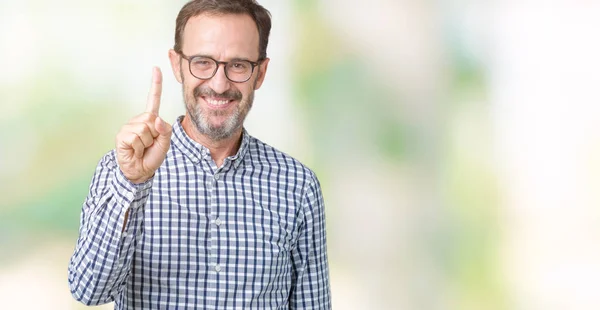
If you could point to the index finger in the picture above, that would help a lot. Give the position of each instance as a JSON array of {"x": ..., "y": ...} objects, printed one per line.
[{"x": 153, "y": 104}]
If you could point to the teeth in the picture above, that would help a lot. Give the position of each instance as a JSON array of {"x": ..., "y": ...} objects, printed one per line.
[{"x": 216, "y": 102}]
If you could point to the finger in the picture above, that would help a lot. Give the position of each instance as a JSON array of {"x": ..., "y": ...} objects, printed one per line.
[
  {"x": 165, "y": 130},
  {"x": 138, "y": 146},
  {"x": 129, "y": 140},
  {"x": 153, "y": 104},
  {"x": 142, "y": 128},
  {"x": 142, "y": 131},
  {"x": 145, "y": 136},
  {"x": 148, "y": 119}
]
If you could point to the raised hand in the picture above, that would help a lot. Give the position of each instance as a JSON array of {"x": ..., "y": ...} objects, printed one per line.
[{"x": 142, "y": 143}]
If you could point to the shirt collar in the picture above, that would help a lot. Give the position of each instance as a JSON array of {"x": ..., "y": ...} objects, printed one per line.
[
  {"x": 239, "y": 157},
  {"x": 197, "y": 152}
]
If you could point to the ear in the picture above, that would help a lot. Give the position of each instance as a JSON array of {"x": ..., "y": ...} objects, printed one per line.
[
  {"x": 175, "y": 59},
  {"x": 262, "y": 71}
]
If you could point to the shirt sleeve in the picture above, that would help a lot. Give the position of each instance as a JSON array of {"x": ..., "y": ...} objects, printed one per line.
[
  {"x": 310, "y": 276},
  {"x": 102, "y": 258}
]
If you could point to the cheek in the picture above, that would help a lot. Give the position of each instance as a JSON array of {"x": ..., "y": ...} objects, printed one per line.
[
  {"x": 189, "y": 87},
  {"x": 247, "y": 89}
]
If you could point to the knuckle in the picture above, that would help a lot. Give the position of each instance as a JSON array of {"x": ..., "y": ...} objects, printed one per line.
[
  {"x": 143, "y": 134},
  {"x": 131, "y": 138},
  {"x": 138, "y": 128},
  {"x": 120, "y": 136},
  {"x": 146, "y": 117},
  {"x": 146, "y": 127}
]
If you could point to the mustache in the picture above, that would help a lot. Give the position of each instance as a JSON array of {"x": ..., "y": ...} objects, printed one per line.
[{"x": 208, "y": 92}]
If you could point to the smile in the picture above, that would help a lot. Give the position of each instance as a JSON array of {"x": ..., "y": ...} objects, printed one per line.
[{"x": 216, "y": 102}]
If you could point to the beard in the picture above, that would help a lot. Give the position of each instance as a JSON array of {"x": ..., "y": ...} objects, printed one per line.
[{"x": 201, "y": 117}]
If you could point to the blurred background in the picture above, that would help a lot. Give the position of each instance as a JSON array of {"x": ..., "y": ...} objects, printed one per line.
[{"x": 457, "y": 142}]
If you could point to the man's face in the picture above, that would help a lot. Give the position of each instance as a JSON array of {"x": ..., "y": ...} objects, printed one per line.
[{"x": 217, "y": 107}]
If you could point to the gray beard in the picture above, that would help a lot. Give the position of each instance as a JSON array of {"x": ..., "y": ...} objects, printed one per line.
[{"x": 200, "y": 117}]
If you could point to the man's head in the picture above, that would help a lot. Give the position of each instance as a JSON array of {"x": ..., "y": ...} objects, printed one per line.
[
  {"x": 261, "y": 17},
  {"x": 209, "y": 32}
]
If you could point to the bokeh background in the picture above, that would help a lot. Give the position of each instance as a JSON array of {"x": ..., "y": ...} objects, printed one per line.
[{"x": 457, "y": 141}]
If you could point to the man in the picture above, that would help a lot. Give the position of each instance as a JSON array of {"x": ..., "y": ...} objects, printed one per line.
[{"x": 201, "y": 215}]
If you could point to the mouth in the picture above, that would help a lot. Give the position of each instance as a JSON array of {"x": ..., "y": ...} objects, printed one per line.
[{"x": 217, "y": 103}]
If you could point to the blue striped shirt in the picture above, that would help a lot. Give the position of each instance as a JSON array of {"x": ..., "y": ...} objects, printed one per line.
[{"x": 247, "y": 235}]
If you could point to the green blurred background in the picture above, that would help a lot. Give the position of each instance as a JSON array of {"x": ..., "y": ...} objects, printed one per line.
[{"x": 457, "y": 142}]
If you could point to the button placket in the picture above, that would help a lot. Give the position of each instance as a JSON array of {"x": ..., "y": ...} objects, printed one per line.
[{"x": 214, "y": 234}]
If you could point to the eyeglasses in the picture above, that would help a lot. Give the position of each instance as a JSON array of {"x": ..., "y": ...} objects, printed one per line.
[{"x": 204, "y": 68}]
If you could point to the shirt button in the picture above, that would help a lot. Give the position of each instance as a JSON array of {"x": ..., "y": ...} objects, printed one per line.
[
  {"x": 217, "y": 268},
  {"x": 217, "y": 177},
  {"x": 218, "y": 221}
]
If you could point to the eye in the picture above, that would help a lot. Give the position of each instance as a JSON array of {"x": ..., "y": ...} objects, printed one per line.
[
  {"x": 202, "y": 62},
  {"x": 240, "y": 65}
]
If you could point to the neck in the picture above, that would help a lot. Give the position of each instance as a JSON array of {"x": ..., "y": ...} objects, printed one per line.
[{"x": 219, "y": 150}]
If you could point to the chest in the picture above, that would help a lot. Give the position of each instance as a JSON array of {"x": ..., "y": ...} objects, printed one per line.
[{"x": 199, "y": 218}]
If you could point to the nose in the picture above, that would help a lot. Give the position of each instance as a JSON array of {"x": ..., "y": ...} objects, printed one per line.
[{"x": 219, "y": 82}]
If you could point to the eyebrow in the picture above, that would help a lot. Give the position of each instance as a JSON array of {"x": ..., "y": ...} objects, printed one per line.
[{"x": 232, "y": 59}]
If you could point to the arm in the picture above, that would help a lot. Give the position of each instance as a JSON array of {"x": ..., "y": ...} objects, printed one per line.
[
  {"x": 111, "y": 219},
  {"x": 310, "y": 277},
  {"x": 112, "y": 213}
]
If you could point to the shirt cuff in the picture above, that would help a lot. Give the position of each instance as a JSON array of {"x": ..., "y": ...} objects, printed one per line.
[{"x": 126, "y": 192}]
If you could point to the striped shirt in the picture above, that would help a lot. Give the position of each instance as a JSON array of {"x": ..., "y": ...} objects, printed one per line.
[{"x": 247, "y": 235}]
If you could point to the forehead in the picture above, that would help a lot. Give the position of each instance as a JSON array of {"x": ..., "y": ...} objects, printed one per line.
[{"x": 223, "y": 36}]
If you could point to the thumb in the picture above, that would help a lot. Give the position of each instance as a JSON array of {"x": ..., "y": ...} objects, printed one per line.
[{"x": 164, "y": 133}]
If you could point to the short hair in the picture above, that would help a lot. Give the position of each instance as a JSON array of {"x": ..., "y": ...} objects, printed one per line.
[{"x": 259, "y": 14}]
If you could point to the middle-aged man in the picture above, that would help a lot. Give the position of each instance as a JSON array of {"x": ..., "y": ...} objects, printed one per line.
[{"x": 201, "y": 215}]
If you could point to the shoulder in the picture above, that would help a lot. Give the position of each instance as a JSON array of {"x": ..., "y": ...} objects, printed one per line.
[{"x": 264, "y": 156}]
